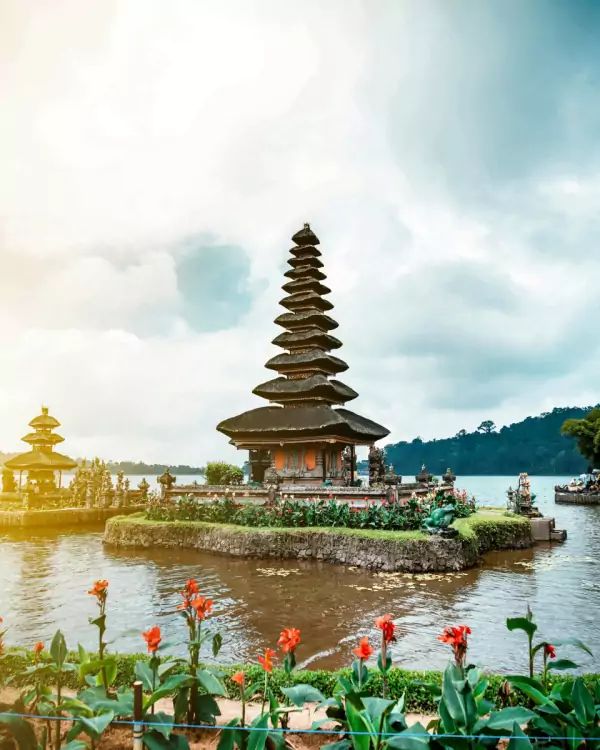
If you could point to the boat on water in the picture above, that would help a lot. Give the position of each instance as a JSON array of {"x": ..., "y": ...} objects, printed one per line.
[{"x": 581, "y": 490}]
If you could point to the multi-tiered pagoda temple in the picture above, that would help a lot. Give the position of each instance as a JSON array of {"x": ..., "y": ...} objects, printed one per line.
[
  {"x": 42, "y": 461},
  {"x": 301, "y": 436}
]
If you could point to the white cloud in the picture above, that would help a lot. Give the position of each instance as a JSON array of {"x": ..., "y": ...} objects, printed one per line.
[{"x": 131, "y": 127}]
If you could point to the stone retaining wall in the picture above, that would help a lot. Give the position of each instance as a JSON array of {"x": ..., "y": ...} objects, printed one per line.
[
  {"x": 577, "y": 498},
  {"x": 384, "y": 551},
  {"x": 61, "y": 516}
]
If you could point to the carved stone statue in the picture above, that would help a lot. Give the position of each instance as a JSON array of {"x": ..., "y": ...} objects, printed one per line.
[
  {"x": 376, "y": 466},
  {"x": 424, "y": 476},
  {"x": 166, "y": 481},
  {"x": 449, "y": 477},
  {"x": 439, "y": 520},
  {"x": 348, "y": 464},
  {"x": 143, "y": 487},
  {"x": 391, "y": 478}
]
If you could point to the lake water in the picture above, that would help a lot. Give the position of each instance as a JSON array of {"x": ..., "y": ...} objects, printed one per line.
[{"x": 44, "y": 577}]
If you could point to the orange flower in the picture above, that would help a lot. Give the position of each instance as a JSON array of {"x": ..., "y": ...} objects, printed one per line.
[
  {"x": 289, "y": 638},
  {"x": 191, "y": 588},
  {"x": 99, "y": 589},
  {"x": 456, "y": 637},
  {"x": 364, "y": 650},
  {"x": 239, "y": 678},
  {"x": 266, "y": 660},
  {"x": 202, "y": 606},
  {"x": 387, "y": 627},
  {"x": 38, "y": 648},
  {"x": 153, "y": 639}
]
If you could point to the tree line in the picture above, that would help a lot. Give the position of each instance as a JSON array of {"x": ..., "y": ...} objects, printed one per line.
[{"x": 535, "y": 445}]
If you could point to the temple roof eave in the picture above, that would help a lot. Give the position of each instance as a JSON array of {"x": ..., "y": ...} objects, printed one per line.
[
  {"x": 274, "y": 423},
  {"x": 35, "y": 460}
]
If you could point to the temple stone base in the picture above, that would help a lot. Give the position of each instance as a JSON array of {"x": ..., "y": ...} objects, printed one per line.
[
  {"x": 577, "y": 498},
  {"x": 386, "y": 551}
]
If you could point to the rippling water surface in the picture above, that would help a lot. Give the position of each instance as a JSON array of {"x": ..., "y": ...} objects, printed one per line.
[{"x": 44, "y": 577}]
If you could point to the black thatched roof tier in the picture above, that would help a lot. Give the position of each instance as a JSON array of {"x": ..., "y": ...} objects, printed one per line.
[
  {"x": 313, "y": 360},
  {"x": 314, "y": 318},
  {"x": 317, "y": 387},
  {"x": 43, "y": 437},
  {"x": 305, "y": 284},
  {"x": 44, "y": 421},
  {"x": 305, "y": 388},
  {"x": 304, "y": 272},
  {"x": 37, "y": 459},
  {"x": 311, "y": 262},
  {"x": 275, "y": 423},
  {"x": 305, "y": 300},
  {"x": 305, "y": 236},
  {"x": 303, "y": 339},
  {"x": 306, "y": 251}
]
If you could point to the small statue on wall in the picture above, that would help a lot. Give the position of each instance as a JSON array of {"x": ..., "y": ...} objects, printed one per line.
[
  {"x": 376, "y": 466},
  {"x": 166, "y": 481}
]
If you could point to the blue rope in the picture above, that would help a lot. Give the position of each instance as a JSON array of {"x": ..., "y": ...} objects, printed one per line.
[{"x": 217, "y": 727}]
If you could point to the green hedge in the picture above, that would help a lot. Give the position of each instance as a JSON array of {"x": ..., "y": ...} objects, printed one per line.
[{"x": 411, "y": 684}]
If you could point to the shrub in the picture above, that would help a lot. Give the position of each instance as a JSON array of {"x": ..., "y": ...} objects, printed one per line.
[{"x": 219, "y": 472}]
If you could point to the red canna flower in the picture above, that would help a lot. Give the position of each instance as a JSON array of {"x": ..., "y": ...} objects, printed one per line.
[
  {"x": 456, "y": 637},
  {"x": 289, "y": 638},
  {"x": 239, "y": 678},
  {"x": 153, "y": 639},
  {"x": 266, "y": 661},
  {"x": 191, "y": 588},
  {"x": 549, "y": 651},
  {"x": 99, "y": 590},
  {"x": 202, "y": 606},
  {"x": 387, "y": 627},
  {"x": 38, "y": 648},
  {"x": 363, "y": 650}
]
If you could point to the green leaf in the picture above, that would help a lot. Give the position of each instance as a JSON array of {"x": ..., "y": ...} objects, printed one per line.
[
  {"x": 377, "y": 709},
  {"x": 415, "y": 737},
  {"x": 153, "y": 740},
  {"x": 358, "y": 724},
  {"x": 83, "y": 654},
  {"x": 561, "y": 664},
  {"x": 583, "y": 703},
  {"x": 207, "y": 708},
  {"x": 532, "y": 688},
  {"x": 573, "y": 642},
  {"x": 164, "y": 722},
  {"x": 521, "y": 623},
  {"x": 519, "y": 740},
  {"x": 75, "y": 745},
  {"x": 144, "y": 675},
  {"x": 95, "y": 726},
  {"x": 169, "y": 687},
  {"x": 217, "y": 642},
  {"x": 301, "y": 694},
  {"x": 210, "y": 683},
  {"x": 258, "y": 738},
  {"x": 506, "y": 717},
  {"x": 227, "y": 736},
  {"x": 339, "y": 745},
  {"x": 452, "y": 699},
  {"x": 58, "y": 649}
]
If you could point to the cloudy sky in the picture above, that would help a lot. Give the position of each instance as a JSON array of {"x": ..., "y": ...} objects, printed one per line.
[{"x": 157, "y": 157}]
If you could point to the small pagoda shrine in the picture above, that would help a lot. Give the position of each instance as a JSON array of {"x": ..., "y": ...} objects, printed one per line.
[
  {"x": 300, "y": 438},
  {"x": 42, "y": 462}
]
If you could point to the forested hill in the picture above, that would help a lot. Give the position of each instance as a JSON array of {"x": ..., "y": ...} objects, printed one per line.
[{"x": 534, "y": 445}]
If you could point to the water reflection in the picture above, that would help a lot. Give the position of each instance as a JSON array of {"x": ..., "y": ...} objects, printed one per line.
[{"x": 44, "y": 578}]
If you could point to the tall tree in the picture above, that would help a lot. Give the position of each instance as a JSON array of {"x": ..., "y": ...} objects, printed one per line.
[
  {"x": 486, "y": 427},
  {"x": 586, "y": 432}
]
